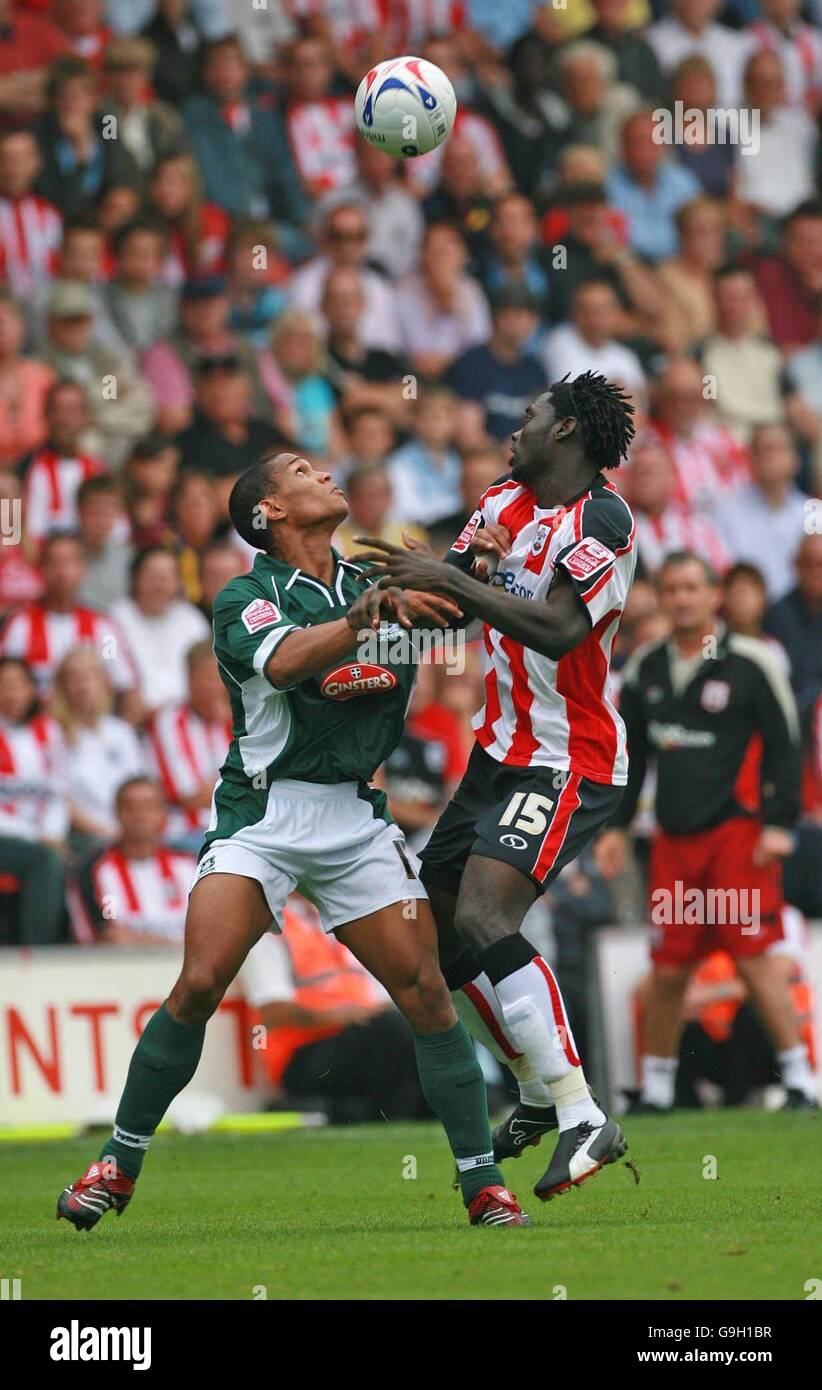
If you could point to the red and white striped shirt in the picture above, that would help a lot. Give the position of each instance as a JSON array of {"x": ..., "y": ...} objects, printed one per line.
[
  {"x": 31, "y": 234},
  {"x": 41, "y": 637},
  {"x": 50, "y": 492},
  {"x": 33, "y": 801},
  {"x": 187, "y": 751},
  {"x": 145, "y": 895},
  {"x": 676, "y": 529},
  {"x": 709, "y": 464},
  {"x": 321, "y": 135},
  {"x": 539, "y": 712}
]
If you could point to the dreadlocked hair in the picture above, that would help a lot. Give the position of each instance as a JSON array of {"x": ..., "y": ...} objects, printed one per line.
[{"x": 604, "y": 412}]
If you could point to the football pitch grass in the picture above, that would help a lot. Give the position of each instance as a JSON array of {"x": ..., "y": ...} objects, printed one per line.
[{"x": 329, "y": 1214}]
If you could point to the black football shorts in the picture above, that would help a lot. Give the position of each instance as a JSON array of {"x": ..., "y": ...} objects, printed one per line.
[{"x": 536, "y": 818}]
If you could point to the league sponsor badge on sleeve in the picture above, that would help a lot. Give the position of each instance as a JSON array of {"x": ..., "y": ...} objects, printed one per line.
[
  {"x": 587, "y": 558},
  {"x": 261, "y": 613}
]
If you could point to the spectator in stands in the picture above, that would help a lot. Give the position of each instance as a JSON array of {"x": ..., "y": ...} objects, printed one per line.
[
  {"x": 256, "y": 274},
  {"x": 239, "y": 141},
  {"x": 150, "y": 129},
  {"x": 803, "y": 405},
  {"x": 20, "y": 581},
  {"x": 220, "y": 562},
  {"x": 194, "y": 516},
  {"x": 159, "y": 626},
  {"x": 745, "y": 366},
  {"x": 796, "y": 622},
  {"x": 497, "y": 380},
  {"x": 24, "y": 388},
  {"x": 148, "y": 479},
  {"x": 692, "y": 28},
  {"x": 371, "y": 512},
  {"x": 527, "y": 113},
  {"x": 461, "y": 196},
  {"x": 196, "y": 230},
  {"x": 358, "y": 375},
  {"x": 33, "y": 808},
  {"x": 636, "y": 61},
  {"x": 707, "y": 458},
  {"x": 649, "y": 188},
  {"x": 513, "y": 256},
  {"x": 790, "y": 282},
  {"x": 663, "y": 526},
  {"x": 371, "y": 438},
  {"x": 763, "y": 521},
  {"x": 425, "y": 472},
  {"x": 343, "y": 239},
  {"x": 188, "y": 741},
  {"x": 709, "y": 158},
  {"x": 203, "y": 332},
  {"x": 101, "y": 751},
  {"x": 303, "y": 403},
  {"x": 31, "y": 229},
  {"x": 778, "y": 173},
  {"x": 589, "y": 341},
  {"x": 395, "y": 221},
  {"x": 120, "y": 403},
  {"x": 442, "y": 310},
  {"x": 598, "y": 102},
  {"x": 78, "y": 162},
  {"x": 175, "y": 40},
  {"x": 41, "y": 633},
  {"x": 54, "y": 473},
  {"x": 82, "y": 25},
  {"x": 224, "y": 434},
  {"x": 798, "y": 46},
  {"x": 136, "y": 892},
  {"x": 103, "y": 528},
  {"x": 744, "y": 605},
  {"x": 687, "y": 279},
  {"x": 83, "y": 259},
  {"x": 319, "y": 117},
  {"x": 29, "y": 44},
  {"x": 141, "y": 307},
  {"x": 331, "y": 1033}
]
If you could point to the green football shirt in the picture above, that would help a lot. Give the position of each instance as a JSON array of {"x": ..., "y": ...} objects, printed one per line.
[{"x": 337, "y": 726}]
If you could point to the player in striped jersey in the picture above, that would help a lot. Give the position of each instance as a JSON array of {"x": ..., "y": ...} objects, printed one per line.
[{"x": 550, "y": 762}]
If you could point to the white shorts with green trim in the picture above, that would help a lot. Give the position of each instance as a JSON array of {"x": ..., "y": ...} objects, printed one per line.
[{"x": 325, "y": 842}]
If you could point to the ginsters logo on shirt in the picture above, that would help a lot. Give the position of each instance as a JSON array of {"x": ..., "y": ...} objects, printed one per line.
[{"x": 363, "y": 678}]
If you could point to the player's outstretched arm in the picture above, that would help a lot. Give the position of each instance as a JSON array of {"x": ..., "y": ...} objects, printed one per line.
[{"x": 551, "y": 628}]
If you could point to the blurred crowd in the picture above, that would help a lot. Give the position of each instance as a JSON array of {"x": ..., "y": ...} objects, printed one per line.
[{"x": 200, "y": 259}]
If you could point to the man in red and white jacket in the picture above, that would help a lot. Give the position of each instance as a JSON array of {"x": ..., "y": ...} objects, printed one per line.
[
  {"x": 188, "y": 742},
  {"x": 55, "y": 473},
  {"x": 136, "y": 892},
  {"x": 31, "y": 229},
  {"x": 41, "y": 633}
]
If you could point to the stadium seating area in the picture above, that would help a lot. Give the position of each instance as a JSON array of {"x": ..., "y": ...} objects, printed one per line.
[{"x": 199, "y": 259}]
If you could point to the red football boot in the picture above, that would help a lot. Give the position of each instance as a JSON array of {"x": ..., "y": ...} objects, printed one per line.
[
  {"x": 100, "y": 1189},
  {"x": 496, "y": 1206}
]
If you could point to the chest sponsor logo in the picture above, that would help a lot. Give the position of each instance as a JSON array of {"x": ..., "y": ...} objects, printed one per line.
[
  {"x": 587, "y": 559},
  {"x": 363, "y": 678},
  {"x": 467, "y": 534},
  {"x": 666, "y": 736},
  {"x": 261, "y": 613},
  {"x": 508, "y": 580},
  {"x": 715, "y": 696}
]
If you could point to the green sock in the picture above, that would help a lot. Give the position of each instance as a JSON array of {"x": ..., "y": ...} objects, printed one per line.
[
  {"x": 453, "y": 1084},
  {"x": 162, "y": 1064}
]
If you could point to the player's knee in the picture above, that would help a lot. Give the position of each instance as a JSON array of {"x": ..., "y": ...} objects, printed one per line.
[
  {"x": 197, "y": 993},
  {"x": 424, "y": 998}
]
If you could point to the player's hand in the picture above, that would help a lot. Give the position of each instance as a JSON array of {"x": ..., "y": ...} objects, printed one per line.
[
  {"x": 366, "y": 610},
  {"x": 490, "y": 545},
  {"x": 610, "y": 852},
  {"x": 432, "y": 609},
  {"x": 774, "y": 843},
  {"x": 404, "y": 569}
]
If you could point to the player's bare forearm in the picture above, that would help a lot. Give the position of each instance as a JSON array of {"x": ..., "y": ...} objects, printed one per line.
[
  {"x": 306, "y": 652},
  {"x": 551, "y": 628}
]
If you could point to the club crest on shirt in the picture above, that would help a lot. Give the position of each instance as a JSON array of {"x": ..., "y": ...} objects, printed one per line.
[
  {"x": 467, "y": 533},
  {"x": 715, "y": 696},
  {"x": 538, "y": 544},
  {"x": 587, "y": 558},
  {"x": 362, "y": 678},
  {"x": 261, "y": 613}
]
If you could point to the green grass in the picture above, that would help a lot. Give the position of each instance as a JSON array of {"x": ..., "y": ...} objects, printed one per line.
[{"x": 327, "y": 1214}]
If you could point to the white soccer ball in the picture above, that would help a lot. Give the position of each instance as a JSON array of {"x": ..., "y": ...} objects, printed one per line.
[{"x": 405, "y": 106}]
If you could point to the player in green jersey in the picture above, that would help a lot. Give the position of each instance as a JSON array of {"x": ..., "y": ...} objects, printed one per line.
[{"x": 293, "y": 809}]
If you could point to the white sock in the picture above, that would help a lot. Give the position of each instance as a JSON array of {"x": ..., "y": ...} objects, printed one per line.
[
  {"x": 796, "y": 1071},
  {"x": 536, "y": 1021},
  {"x": 658, "y": 1079},
  {"x": 480, "y": 1010}
]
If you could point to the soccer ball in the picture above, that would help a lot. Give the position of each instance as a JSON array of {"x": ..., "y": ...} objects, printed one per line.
[{"x": 405, "y": 106}]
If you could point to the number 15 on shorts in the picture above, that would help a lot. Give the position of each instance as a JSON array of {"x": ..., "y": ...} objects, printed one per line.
[{"x": 528, "y": 811}]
